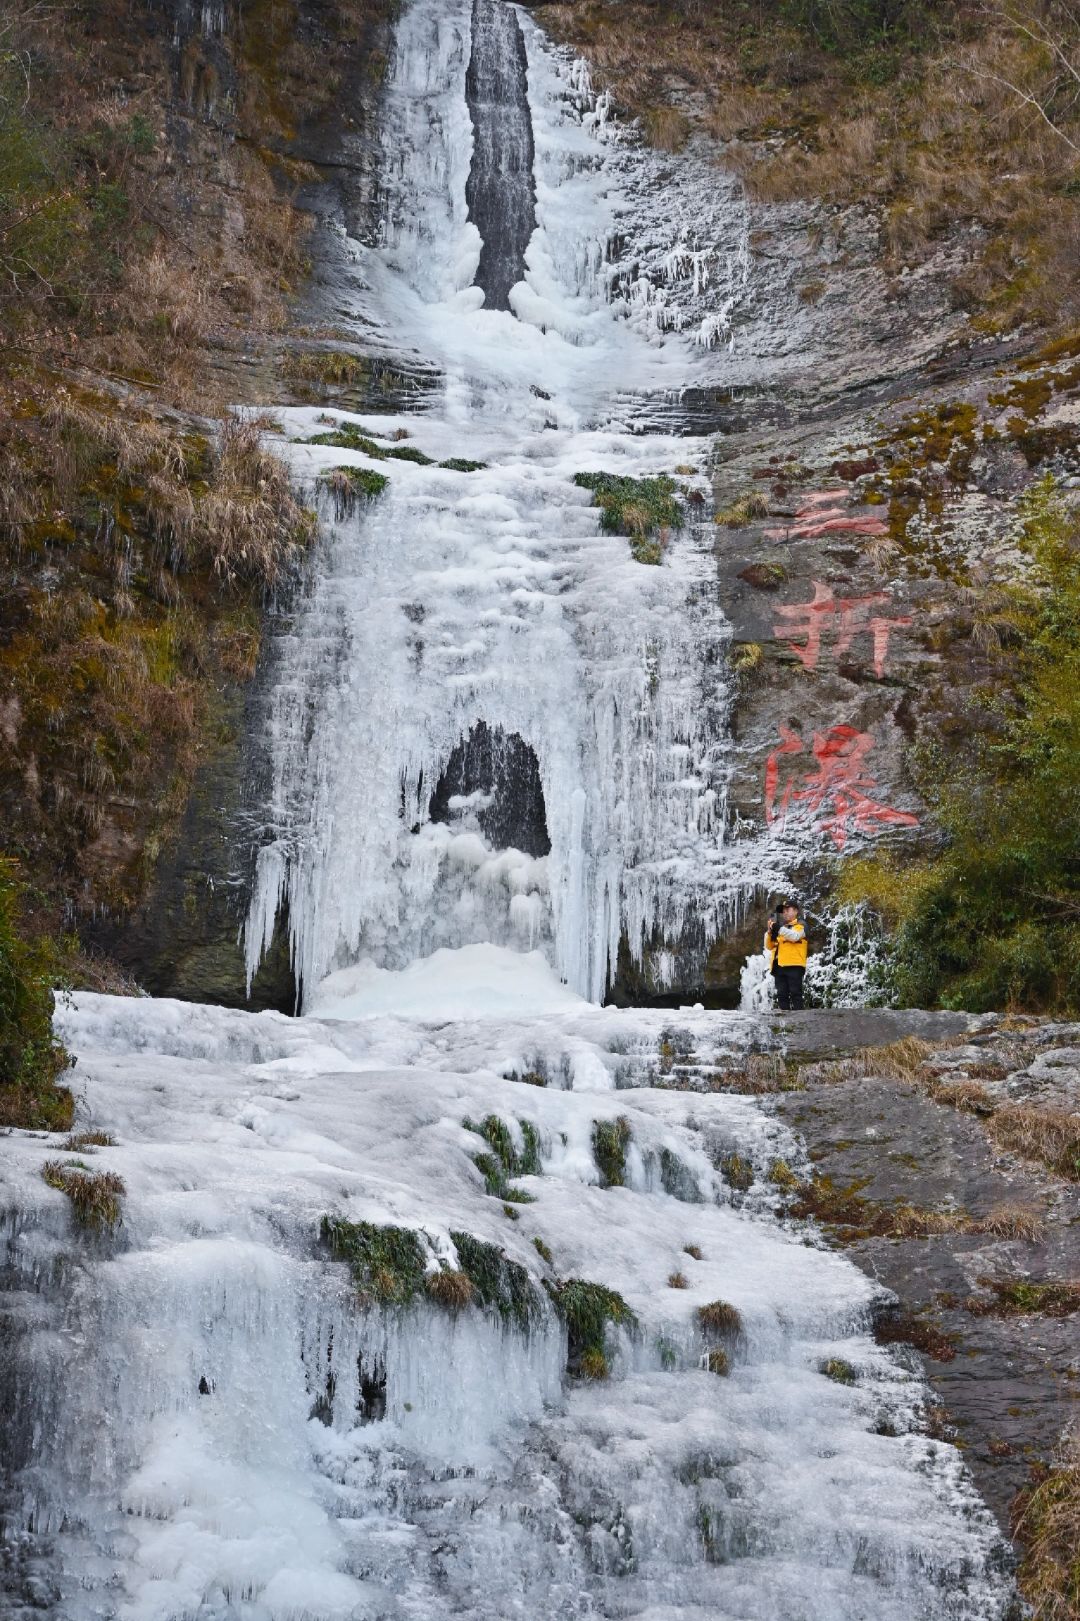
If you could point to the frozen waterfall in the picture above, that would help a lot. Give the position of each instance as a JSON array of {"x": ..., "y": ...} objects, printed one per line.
[{"x": 497, "y": 748}]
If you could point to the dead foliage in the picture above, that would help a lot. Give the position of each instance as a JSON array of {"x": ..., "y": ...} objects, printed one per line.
[
  {"x": 1046, "y": 1524},
  {"x": 451, "y": 1289},
  {"x": 1046, "y": 1136},
  {"x": 905, "y": 1328},
  {"x": 95, "y": 1195}
]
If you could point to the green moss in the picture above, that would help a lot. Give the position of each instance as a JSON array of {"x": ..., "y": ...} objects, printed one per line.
[
  {"x": 363, "y": 481},
  {"x": 839, "y": 1371},
  {"x": 387, "y": 1263},
  {"x": 505, "y": 1160},
  {"x": 587, "y": 1309},
  {"x": 609, "y": 1143},
  {"x": 642, "y": 508},
  {"x": 1022, "y": 1297},
  {"x": 460, "y": 464},
  {"x": 349, "y": 437},
  {"x": 501, "y": 1285},
  {"x": 31, "y": 1058},
  {"x": 543, "y": 1251},
  {"x": 737, "y": 1172}
]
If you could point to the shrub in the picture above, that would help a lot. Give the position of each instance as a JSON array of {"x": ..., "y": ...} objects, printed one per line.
[
  {"x": 839, "y": 1371},
  {"x": 95, "y": 1195},
  {"x": 990, "y": 921},
  {"x": 31, "y": 1058},
  {"x": 642, "y": 508},
  {"x": 356, "y": 481},
  {"x": 737, "y": 1172}
]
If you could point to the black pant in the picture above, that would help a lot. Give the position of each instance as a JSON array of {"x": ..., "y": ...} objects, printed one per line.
[{"x": 789, "y": 986}]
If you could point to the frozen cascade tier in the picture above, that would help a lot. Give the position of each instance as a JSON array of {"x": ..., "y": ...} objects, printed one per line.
[{"x": 478, "y": 1318}]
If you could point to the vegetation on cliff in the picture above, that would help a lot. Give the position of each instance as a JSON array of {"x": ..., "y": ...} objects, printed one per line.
[
  {"x": 31, "y": 1058},
  {"x": 150, "y": 232},
  {"x": 990, "y": 921},
  {"x": 944, "y": 116}
]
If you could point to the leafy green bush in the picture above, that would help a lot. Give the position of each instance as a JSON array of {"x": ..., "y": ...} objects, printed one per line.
[
  {"x": 31, "y": 1058},
  {"x": 991, "y": 922}
]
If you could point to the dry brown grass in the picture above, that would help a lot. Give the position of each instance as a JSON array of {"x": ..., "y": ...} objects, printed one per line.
[
  {"x": 1046, "y": 1523},
  {"x": 1014, "y": 1221},
  {"x": 721, "y": 1319},
  {"x": 95, "y": 1195},
  {"x": 677, "y": 1280},
  {"x": 80, "y": 1140},
  {"x": 754, "y": 504},
  {"x": 694, "y": 1251},
  {"x": 717, "y": 1361},
  {"x": 1047, "y": 1136},
  {"x": 451, "y": 1289}
]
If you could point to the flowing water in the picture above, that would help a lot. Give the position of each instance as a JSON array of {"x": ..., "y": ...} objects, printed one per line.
[{"x": 497, "y": 748}]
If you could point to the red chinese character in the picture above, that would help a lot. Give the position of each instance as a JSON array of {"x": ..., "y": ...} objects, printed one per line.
[
  {"x": 845, "y": 617},
  {"x": 834, "y": 794}
]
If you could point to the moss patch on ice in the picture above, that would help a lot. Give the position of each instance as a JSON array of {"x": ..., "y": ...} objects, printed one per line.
[
  {"x": 387, "y": 1263},
  {"x": 500, "y": 1284},
  {"x": 610, "y": 1139},
  {"x": 363, "y": 481},
  {"x": 587, "y": 1309},
  {"x": 349, "y": 437},
  {"x": 642, "y": 508},
  {"x": 505, "y": 1160}
]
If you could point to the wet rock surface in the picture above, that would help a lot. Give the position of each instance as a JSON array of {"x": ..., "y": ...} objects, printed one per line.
[{"x": 1008, "y": 1378}]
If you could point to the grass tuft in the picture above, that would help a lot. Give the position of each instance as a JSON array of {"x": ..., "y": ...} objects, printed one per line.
[
  {"x": 678, "y": 1280},
  {"x": 694, "y": 1252},
  {"x": 1046, "y": 1523},
  {"x": 388, "y": 1263},
  {"x": 451, "y": 1289},
  {"x": 721, "y": 1319},
  {"x": 587, "y": 1309},
  {"x": 839, "y": 1371},
  {"x": 609, "y": 1143},
  {"x": 717, "y": 1361},
  {"x": 95, "y": 1195},
  {"x": 754, "y": 504},
  {"x": 80, "y": 1140}
]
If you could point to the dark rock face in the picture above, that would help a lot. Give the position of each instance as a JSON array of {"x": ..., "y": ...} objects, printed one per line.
[
  {"x": 184, "y": 938},
  {"x": 499, "y": 773},
  {"x": 1005, "y": 1379},
  {"x": 500, "y": 191}
]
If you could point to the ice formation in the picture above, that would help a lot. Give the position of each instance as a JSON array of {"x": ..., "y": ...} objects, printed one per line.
[{"x": 207, "y": 1420}]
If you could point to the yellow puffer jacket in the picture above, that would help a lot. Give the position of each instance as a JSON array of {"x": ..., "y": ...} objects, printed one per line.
[{"x": 788, "y": 953}]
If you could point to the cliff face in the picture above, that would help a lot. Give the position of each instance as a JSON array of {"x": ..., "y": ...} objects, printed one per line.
[{"x": 158, "y": 169}]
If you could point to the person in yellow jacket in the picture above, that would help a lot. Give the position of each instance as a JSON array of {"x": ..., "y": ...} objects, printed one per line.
[{"x": 785, "y": 944}]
